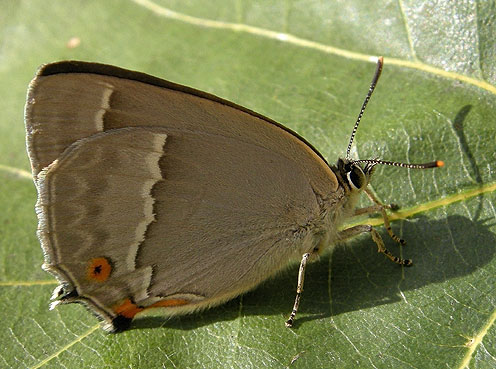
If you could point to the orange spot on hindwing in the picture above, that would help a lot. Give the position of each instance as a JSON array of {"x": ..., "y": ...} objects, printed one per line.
[
  {"x": 99, "y": 269},
  {"x": 129, "y": 309}
]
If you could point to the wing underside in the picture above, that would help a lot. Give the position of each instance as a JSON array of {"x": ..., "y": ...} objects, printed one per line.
[{"x": 187, "y": 194}]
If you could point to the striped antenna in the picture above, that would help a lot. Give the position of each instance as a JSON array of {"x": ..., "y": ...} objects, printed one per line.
[
  {"x": 432, "y": 164},
  {"x": 372, "y": 162},
  {"x": 377, "y": 74}
]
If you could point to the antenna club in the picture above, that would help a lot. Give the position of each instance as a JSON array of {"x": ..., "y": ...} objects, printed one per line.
[{"x": 439, "y": 163}]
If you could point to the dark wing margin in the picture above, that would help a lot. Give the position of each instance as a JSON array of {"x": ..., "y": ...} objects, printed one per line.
[{"x": 74, "y": 66}]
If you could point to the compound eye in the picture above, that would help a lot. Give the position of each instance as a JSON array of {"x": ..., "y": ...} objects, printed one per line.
[{"x": 356, "y": 177}]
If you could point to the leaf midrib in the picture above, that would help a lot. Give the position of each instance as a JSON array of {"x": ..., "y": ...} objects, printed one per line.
[{"x": 305, "y": 43}]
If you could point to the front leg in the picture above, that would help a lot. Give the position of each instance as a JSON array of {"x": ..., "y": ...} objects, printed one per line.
[
  {"x": 379, "y": 207},
  {"x": 356, "y": 230}
]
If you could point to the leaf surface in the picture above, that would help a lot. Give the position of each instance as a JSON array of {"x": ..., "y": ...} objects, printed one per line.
[{"x": 306, "y": 64}]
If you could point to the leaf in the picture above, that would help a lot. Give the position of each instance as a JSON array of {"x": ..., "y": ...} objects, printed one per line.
[{"x": 307, "y": 65}]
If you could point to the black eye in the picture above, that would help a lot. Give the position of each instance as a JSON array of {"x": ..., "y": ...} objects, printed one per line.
[{"x": 356, "y": 178}]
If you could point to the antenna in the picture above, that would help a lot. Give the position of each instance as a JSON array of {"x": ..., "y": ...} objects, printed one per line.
[
  {"x": 432, "y": 164},
  {"x": 373, "y": 162},
  {"x": 377, "y": 74}
]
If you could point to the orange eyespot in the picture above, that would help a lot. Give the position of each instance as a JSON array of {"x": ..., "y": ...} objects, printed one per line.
[{"x": 99, "y": 269}]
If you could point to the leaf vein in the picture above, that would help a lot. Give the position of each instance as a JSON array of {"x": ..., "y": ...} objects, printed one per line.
[
  {"x": 66, "y": 347},
  {"x": 477, "y": 340},
  {"x": 301, "y": 42},
  {"x": 407, "y": 29}
]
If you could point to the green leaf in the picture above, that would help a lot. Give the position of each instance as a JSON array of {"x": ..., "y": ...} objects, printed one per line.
[{"x": 306, "y": 64}]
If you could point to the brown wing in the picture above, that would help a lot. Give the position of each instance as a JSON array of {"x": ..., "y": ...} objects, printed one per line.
[{"x": 236, "y": 196}]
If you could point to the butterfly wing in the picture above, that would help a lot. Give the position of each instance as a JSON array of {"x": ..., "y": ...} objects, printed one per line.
[{"x": 189, "y": 198}]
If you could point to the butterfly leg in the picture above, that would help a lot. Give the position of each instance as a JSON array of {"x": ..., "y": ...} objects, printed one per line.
[
  {"x": 299, "y": 289},
  {"x": 376, "y": 201},
  {"x": 380, "y": 208},
  {"x": 356, "y": 230}
]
